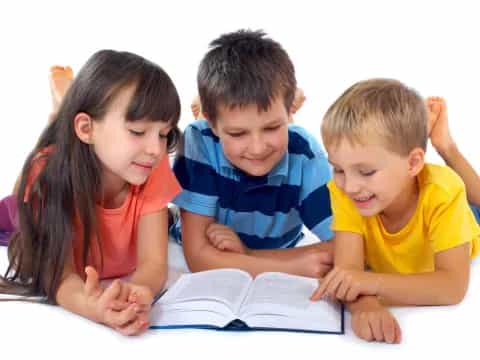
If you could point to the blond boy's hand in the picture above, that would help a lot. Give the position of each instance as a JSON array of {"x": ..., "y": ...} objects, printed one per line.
[
  {"x": 438, "y": 129},
  {"x": 347, "y": 285},
  {"x": 371, "y": 321},
  {"x": 225, "y": 239}
]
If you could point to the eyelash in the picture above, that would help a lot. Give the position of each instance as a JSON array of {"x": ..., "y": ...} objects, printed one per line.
[
  {"x": 140, "y": 133},
  {"x": 370, "y": 173},
  {"x": 136, "y": 133},
  {"x": 236, "y": 135}
]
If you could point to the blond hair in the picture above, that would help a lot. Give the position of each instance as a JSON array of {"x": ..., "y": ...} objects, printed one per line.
[{"x": 378, "y": 109}]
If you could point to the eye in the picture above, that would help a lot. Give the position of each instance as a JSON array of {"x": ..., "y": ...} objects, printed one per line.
[
  {"x": 236, "y": 135},
  {"x": 164, "y": 136},
  {"x": 136, "y": 133},
  {"x": 337, "y": 171},
  {"x": 368, "y": 173},
  {"x": 273, "y": 128}
]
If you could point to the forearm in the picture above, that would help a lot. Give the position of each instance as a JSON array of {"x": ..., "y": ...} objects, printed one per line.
[
  {"x": 362, "y": 303},
  {"x": 286, "y": 254},
  {"x": 71, "y": 296},
  {"x": 152, "y": 275},
  {"x": 208, "y": 258},
  {"x": 455, "y": 159},
  {"x": 434, "y": 288}
]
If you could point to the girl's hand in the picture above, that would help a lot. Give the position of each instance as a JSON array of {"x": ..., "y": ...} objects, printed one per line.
[
  {"x": 371, "y": 321},
  {"x": 128, "y": 321},
  {"x": 225, "y": 239},
  {"x": 347, "y": 285}
]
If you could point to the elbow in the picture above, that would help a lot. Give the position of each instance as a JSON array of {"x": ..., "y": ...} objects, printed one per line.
[{"x": 457, "y": 296}]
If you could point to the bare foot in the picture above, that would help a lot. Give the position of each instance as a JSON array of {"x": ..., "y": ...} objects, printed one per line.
[
  {"x": 196, "y": 107},
  {"x": 438, "y": 129},
  {"x": 60, "y": 79}
]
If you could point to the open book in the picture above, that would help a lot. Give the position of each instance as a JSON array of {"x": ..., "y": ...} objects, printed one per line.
[{"x": 230, "y": 299}]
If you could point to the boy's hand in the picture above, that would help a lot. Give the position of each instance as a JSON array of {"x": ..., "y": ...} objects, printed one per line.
[
  {"x": 225, "y": 239},
  {"x": 347, "y": 285},
  {"x": 196, "y": 107},
  {"x": 129, "y": 321},
  {"x": 315, "y": 263},
  {"x": 371, "y": 321},
  {"x": 438, "y": 129},
  {"x": 298, "y": 100}
]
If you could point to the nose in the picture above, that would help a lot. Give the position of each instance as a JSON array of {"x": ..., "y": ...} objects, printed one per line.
[
  {"x": 155, "y": 146},
  {"x": 351, "y": 185},
  {"x": 258, "y": 145}
]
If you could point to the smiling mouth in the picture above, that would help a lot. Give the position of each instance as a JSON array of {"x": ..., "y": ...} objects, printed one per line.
[
  {"x": 363, "y": 201},
  {"x": 144, "y": 166}
]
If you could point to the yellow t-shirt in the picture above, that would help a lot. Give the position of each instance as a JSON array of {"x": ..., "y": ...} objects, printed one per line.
[{"x": 442, "y": 220}]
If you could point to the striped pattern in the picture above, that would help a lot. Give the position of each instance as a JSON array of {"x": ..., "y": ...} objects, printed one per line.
[{"x": 267, "y": 212}]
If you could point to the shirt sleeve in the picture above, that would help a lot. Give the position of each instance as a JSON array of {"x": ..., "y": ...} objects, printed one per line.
[
  {"x": 161, "y": 187},
  {"x": 345, "y": 216},
  {"x": 36, "y": 167},
  {"x": 314, "y": 207},
  {"x": 195, "y": 170},
  {"x": 450, "y": 219}
]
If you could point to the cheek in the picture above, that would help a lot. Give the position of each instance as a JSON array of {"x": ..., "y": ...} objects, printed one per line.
[
  {"x": 232, "y": 148},
  {"x": 278, "y": 140}
]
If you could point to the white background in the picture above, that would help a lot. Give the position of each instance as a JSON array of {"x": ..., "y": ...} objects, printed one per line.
[{"x": 429, "y": 45}]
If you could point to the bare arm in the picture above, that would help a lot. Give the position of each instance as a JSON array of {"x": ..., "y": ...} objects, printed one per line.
[
  {"x": 445, "y": 286},
  {"x": 200, "y": 254},
  {"x": 152, "y": 238}
]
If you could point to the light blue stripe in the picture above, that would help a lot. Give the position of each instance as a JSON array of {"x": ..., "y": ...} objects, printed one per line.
[
  {"x": 258, "y": 224},
  {"x": 323, "y": 229},
  {"x": 197, "y": 203}
]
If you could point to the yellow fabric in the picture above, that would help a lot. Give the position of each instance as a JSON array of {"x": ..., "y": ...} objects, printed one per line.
[{"x": 442, "y": 220}]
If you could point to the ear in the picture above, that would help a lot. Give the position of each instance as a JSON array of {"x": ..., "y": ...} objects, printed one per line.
[
  {"x": 416, "y": 161},
  {"x": 83, "y": 125}
]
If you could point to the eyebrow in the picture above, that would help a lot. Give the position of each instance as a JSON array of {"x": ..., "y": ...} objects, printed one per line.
[{"x": 357, "y": 165}]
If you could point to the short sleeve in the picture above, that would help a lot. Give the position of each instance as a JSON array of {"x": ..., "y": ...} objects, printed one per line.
[
  {"x": 36, "y": 167},
  {"x": 314, "y": 203},
  {"x": 195, "y": 170},
  {"x": 161, "y": 187},
  {"x": 450, "y": 219},
  {"x": 345, "y": 216}
]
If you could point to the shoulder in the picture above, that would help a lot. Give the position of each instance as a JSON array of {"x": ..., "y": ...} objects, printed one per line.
[
  {"x": 440, "y": 183},
  {"x": 199, "y": 130},
  {"x": 302, "y": 142}
]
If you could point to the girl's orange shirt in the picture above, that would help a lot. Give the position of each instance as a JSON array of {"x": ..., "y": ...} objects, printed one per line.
[{"x": 117, "y": 227}]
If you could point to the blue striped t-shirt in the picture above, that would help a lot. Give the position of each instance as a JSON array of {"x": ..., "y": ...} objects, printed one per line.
[{"x": 267, "y": 212}]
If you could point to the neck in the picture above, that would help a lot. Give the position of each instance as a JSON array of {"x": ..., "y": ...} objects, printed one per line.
[
  {"x": 397, "y": 215},
  {"x": 113, "y": 192}
]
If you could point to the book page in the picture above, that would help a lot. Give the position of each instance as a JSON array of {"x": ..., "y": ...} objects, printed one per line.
[
  {"x": 221, "y": 286},
  {"x": 282, "y": 300}
]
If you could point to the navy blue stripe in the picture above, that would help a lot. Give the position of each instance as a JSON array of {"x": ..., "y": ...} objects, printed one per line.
[
  {"x": 241, "y": 196},
  {"x": 318, "y": 200},
  {"x": 289, "y": 239},
  {"x": 297, "y": 144},
  {"x": 208, "y": 132},
  {"x": 195, "y": 176}
]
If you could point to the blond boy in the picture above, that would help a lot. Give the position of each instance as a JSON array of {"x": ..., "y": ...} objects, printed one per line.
[{"x": 408, "y": 221}]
